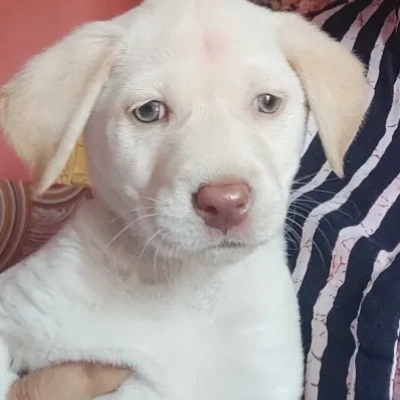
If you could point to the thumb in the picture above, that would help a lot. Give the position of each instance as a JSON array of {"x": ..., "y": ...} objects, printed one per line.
[
  {"x": 73, "y": 381},
  {"x": 104, "y": 379}
]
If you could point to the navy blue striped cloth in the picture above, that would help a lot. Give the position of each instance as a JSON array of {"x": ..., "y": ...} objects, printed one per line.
[{"x": 345, "y": 234}]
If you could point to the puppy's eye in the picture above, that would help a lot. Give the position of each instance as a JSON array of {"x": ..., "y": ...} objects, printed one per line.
[
  {"x": 268, "y": 103},
  {"x": 150, "y": 112}
]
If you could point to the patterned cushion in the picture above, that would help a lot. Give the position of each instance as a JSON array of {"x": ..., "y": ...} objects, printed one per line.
[
  {"x": 25, "y": 225},
  {"x": 15, "y": 211}
]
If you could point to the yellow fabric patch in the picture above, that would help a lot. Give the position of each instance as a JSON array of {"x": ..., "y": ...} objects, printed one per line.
[{"x": 75, "y": 171}]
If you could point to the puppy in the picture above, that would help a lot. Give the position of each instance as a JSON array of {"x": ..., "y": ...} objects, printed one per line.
[{"x": 193, "y": 113}]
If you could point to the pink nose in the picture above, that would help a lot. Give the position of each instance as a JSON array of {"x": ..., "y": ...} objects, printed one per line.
[{"x": 224, "y": 205}]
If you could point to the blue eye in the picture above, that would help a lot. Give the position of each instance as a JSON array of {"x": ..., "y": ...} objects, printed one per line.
[
  {"x": 268, "y": 103},
  {"x": 152, "y": 111}
]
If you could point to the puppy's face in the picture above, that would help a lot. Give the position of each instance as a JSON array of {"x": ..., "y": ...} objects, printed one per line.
[
  {"x": 193, "y": 112},
  {"x": 197, "y": 136}
]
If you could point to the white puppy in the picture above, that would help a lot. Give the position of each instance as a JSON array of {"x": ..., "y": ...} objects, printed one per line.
[{"x": 193, "y": 114}]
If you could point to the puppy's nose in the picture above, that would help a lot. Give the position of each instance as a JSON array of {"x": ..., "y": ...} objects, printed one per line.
[{"x": 224, "y": 205}]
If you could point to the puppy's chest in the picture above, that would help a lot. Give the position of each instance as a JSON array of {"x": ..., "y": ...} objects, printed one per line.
[{"x": 194, "y": 340}]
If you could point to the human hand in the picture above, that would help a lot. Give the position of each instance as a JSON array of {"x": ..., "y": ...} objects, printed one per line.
[{"x": 72, "y": 381}]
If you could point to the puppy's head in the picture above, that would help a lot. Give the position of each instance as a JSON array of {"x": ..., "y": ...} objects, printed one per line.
[{"x": 194, "y": 115}]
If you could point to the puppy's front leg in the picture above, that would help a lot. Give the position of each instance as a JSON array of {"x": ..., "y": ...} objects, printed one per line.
[{"x": 7, "y": 377}]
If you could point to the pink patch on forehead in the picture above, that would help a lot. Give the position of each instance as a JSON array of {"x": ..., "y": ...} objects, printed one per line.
[{"x": 214, "y": 43}]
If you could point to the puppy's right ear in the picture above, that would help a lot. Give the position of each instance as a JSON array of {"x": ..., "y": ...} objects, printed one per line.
[
  {"x": 45, "y": 107},
  {"x": 333, "y": 80}
]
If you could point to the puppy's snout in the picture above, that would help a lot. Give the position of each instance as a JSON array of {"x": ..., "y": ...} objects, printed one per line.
[{"x": 224, "y": 205}]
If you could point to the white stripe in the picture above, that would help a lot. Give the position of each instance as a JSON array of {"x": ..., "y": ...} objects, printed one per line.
[
  {"x": 320, "y": 19},
  {"x": 310, "y": 226},
  {"x": 396, "y": 383},
  {"x": 382, "y": 263},
  {"x": 348, "y": 41},
  {"x": 395, "y": 364},
  {"x": 345, "y": 243}
]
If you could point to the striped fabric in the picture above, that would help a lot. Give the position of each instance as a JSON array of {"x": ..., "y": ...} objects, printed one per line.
[{"x": 345, "y": 234}]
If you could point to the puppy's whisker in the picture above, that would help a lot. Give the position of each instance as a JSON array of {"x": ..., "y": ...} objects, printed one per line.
[
  {"x": 148, "y": 198},
  {"x": 135, "y": 210},
  {"x": 333, "y": 193},
  {"x": 151, "y": 238},
  {"x": 170, "y": 268},
  {"x": 298, "y": 206},
  {"x": 167, "y": 259},
  {"x": 292, "y": 231},
  {"x": 318, "y": 229},
  {"x": 299, "y": 237},
  {"x": 301, "y": 182},
  {"x": 292, "y": 237},
  {"x": 304, "y": 177},
  {"x": 194, "y": 255},
  {"x": 155, "y": 270},
  {"x": 296, "y": 215},
  {"x": 306, "y": 201},
  {"x": 312, "y": 203},
  {"x": 130, "y": 225}
]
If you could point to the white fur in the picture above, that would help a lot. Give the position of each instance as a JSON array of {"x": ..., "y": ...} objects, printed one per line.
[{"x": 136, "y": 278}]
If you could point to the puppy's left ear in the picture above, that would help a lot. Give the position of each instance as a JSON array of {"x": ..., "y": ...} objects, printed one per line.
[
  {"x": 45, "y": 107},
  {"x": 334, "y": 82}
]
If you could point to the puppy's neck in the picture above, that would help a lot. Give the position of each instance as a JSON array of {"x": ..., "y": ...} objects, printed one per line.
[{"x": 120, "y": 251}]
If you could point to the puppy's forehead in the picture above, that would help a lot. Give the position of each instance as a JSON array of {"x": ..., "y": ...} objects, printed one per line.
[
  {"x": 215, "y": 44},
  {"x": 216, "y": 29}
]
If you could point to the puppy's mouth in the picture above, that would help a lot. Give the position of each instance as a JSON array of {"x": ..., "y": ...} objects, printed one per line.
[
  {"x": 232, "y": 245},
  {"x": 227, "y": 244}
]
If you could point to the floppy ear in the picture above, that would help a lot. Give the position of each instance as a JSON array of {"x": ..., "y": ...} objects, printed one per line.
[
  {"x": 45, "y": 107},
  {"x": 333, "y": 80}
]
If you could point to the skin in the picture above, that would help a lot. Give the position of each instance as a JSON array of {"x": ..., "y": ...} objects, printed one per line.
[{"x": 72, "y": 381}]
